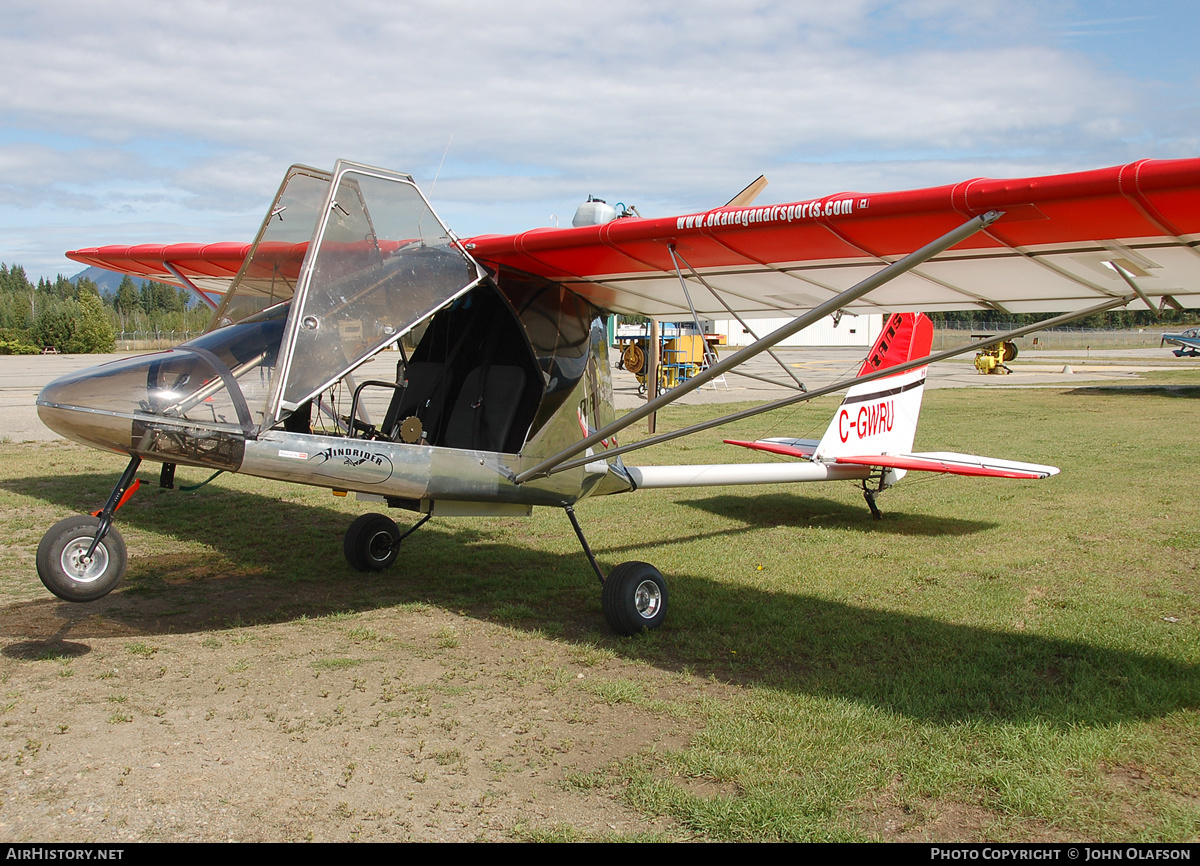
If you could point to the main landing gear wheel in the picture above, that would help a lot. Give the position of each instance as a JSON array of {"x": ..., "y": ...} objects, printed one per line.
[
  {"x": 372, "y": 542},
  {"x": 62, "y": 561},
  {"x": 634, "y": 598}
]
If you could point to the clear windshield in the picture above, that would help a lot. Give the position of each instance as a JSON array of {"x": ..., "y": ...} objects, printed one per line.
[
  {"x": 269, "y": 273},
  {"x": 383, "y": 263}
]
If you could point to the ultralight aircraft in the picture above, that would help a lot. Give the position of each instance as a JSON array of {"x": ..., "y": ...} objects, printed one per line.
[{"x": 502, "y": 398}]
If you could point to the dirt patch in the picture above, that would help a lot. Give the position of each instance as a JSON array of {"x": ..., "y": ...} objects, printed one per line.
[
  {"x": 411, "y": 723},
  {"x": 1132, "y": 779},
  {"x": 926, "y": 820}
]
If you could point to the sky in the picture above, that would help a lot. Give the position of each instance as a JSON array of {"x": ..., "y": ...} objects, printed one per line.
[{"x": 135, "y": 122}]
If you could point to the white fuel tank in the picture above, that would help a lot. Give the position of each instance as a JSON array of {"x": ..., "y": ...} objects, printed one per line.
[{"x": 594, "y": 212}]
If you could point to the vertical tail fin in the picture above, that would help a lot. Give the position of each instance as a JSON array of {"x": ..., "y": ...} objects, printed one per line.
[{"x": 880, "y": 417}]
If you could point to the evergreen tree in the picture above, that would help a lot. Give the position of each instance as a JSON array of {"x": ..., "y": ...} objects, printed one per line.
[
  {"x": 83, "y": 285},
  {"x": 54, "y": 325},
  {"x": 127, "y": 300},
  {"x": 93, "y": 331}
]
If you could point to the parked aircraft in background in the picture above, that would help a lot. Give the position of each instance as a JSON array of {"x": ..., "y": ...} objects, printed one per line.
[
  {"x": 1187, "y": 340},
  {"x": 502, "y": 399}
]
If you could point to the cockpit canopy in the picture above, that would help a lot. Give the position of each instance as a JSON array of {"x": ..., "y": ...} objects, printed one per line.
[
  {"x": 344, "y": 265},
  {"x": 375, "y": 261}
]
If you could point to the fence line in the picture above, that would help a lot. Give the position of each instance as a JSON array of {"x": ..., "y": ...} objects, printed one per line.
[
  {"x": 955, "y": 333},
  {"x": 133, "y": 341}
]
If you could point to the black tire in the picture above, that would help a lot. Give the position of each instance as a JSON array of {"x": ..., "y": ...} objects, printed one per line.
[
  {"x": 634, "y": 598},
  {"x": 372, "y": 542},
  {"x": 60, "y": 553}
]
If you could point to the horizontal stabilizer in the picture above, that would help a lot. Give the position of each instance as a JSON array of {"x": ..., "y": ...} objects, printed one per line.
[
  {"x": 787, "y": 447},
  {"x": 954, "y": 464}
]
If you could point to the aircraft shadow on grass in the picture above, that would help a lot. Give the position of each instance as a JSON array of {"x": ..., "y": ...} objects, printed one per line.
[
  {"x": 920, "y": 667},
  {"x": 1185, "y": 391},
  {"x": 784, "y": 509}
]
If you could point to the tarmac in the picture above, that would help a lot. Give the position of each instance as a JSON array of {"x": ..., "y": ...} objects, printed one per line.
[
  {"x": 23, "y": 376},
  {"x": 820, "y": 366}
]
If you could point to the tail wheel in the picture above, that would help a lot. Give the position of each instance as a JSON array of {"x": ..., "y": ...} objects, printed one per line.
[
  {"x": 634, "y": 598},
  {"x": 372, "y": 542},
  {"x": 65, "y": 568}
]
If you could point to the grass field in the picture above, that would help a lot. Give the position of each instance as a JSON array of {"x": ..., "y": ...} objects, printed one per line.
[{"x": 993, "y": 660}]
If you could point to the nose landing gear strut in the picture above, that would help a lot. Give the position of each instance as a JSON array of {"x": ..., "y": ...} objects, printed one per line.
[{"x": 83, "y": 558}]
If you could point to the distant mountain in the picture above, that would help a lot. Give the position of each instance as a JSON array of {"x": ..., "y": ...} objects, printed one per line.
[{"x": 108, "y": 281}]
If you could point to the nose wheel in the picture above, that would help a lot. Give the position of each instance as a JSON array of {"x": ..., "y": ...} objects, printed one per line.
[
  {"x": 83, "y": 558},
  {"x": 68, "y": 571}
]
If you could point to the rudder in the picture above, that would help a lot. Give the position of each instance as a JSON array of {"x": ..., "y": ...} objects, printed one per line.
[{"x": 880, "y": 416}]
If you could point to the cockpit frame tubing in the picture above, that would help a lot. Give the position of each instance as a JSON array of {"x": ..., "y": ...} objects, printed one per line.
[
  {"x": 273, "y": 211},
  {"x": 275, "y": 402},
  {"x": 229, "y": 379},
  {"x": 375, "y": 383}
]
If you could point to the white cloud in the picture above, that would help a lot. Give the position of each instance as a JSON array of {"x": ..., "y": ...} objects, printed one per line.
[{"x": 187, "y": 113}]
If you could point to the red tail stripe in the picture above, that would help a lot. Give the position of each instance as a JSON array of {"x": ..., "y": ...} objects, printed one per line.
[{"x": 905, "y": 337}]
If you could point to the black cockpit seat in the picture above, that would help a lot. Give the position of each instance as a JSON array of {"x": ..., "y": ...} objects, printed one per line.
[
  {"x": 423, "y": 395},
  {"x": 485, "y": 408}
]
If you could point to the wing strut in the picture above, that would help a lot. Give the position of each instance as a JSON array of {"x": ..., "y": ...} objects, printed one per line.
[
  {"x": 841, "y": 386},
  {"x": 196, "y": 290},
  {"x": 710, "y": 357},
  {"x": 796, "y": 325},
  {"x": 1128, "y": 278},
  {"x": 675, "y": 254}
]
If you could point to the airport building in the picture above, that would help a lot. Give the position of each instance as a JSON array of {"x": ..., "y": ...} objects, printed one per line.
[{"x": 850, "y": 330}]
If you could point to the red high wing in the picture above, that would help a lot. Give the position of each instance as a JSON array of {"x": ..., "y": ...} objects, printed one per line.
[
  {"x": 197, "y": 261},
  {"x": 1150, "y": 198},
  {"x": 1049, "y": 253}
]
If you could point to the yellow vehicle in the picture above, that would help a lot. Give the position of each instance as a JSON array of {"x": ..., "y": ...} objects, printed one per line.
[
  {"x": 993, "y": 358},
  {"x": 681, "y": 358}
]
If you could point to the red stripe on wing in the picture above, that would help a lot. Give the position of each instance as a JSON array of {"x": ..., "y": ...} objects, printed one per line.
[
  {"x": 772, "y": 447},
  {"x": 924, "y": 464}
]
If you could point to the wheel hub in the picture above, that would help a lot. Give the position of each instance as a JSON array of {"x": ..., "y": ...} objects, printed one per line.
[
  {"x": 380, "y": 546},
  {"x": 76, "y": 564},
  {"x": 647, "y": 599}
]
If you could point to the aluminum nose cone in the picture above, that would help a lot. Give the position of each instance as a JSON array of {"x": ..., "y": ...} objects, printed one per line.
[
  {"x": 77, "y": 407},
  {"x": 172, "y": 406}
]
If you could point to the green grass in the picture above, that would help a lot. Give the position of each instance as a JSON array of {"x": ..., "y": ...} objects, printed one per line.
[{"x": 994, "y": 659}]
